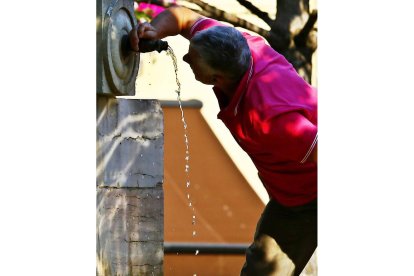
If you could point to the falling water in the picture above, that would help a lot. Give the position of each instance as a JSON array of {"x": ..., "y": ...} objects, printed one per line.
[{"x": 170, "y": 52}]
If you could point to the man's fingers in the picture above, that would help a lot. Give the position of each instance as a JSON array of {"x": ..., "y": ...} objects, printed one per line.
[
  {"x": 144, "y": 30},
  {"x": 133, "y": 39},
  {"x": 141, "y": 30}
]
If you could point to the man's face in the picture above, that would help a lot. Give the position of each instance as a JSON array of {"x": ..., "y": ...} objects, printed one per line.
[{"x": 201, "y": 71}]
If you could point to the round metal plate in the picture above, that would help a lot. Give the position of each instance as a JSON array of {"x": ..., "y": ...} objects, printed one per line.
[{"x": 120, "y": 64}]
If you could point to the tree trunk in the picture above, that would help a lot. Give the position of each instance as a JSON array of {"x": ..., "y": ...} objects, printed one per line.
[{"x": 292, "y": 33}]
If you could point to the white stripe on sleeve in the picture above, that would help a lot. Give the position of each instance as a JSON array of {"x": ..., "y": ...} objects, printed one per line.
[
  {"x": 310, "y": 149},
  {"x": 195, "y": 25}
]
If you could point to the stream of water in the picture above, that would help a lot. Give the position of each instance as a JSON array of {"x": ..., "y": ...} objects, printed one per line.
[{"x": 170, "y": 52}]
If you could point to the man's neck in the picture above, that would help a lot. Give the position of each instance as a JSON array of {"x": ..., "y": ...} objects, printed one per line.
[
  {"x": 228, "y": 88},
  {"x": 229, "y": 91}
]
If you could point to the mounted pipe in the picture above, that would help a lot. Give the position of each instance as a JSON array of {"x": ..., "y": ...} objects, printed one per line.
[{"x": 205, "y": 248}]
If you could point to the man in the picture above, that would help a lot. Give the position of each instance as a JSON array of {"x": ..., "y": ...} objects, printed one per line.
[{"x": 272, "y": 113}]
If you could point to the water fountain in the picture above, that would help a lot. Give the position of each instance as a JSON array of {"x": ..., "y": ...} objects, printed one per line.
[{"x": 129, "y": 159}]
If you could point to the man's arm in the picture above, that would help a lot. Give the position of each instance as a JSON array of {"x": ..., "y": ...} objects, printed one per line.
[{"x": 172, "y": 21}]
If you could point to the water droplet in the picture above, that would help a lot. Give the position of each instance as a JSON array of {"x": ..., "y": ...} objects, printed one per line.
[
  {"x": 188, "y": 184},
  {"x": 197, "y": 252},
  {"x": 188, "y": 196},
  {"x": 190, "y": 204},
  {"x": 194, "y": 233}
]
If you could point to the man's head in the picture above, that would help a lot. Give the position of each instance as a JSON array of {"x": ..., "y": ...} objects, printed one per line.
[{"x": 218, "y": 52}]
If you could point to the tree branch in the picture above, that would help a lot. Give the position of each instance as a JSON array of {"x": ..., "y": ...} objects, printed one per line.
[
  {"x": 301, "y": 39},
  {"x": 256, "y": 11},
  {"x": 215, "y": 13}
]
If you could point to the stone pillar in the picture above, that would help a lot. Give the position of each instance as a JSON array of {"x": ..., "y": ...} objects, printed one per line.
[
  {"x": 130, "y": 220},
  {"x": 130, "y": 147}
]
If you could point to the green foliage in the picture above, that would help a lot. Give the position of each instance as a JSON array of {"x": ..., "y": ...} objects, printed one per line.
[{"x": 142, "y": 15}]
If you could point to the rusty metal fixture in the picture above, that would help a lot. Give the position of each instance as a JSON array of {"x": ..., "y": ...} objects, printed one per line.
[{"x": 146, "y": 46}]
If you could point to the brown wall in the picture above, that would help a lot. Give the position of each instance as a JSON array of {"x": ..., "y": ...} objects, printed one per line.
[{"x": 226, "y": 208}]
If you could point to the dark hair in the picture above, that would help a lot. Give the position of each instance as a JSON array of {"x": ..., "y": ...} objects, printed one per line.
[{"x": 223, "y": 49}]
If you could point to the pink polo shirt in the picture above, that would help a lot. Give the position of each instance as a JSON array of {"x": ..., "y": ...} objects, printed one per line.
[{"x": 273, "y": 117}]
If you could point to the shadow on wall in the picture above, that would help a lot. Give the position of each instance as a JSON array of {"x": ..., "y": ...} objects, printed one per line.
[
  {"x": 128, "y": 136},
  {"x": 129, "y": 226}
]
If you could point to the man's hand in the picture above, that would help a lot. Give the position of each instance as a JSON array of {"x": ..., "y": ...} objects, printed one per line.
[{"x": 142, "y": 31}]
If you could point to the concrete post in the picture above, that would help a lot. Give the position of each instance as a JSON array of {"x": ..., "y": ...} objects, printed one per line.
[
  {"x": 130, "y": 220},
  {"x": 130, "y": 147}
]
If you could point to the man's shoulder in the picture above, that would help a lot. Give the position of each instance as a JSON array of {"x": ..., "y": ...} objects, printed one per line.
[{"x": 275, "y": 90}]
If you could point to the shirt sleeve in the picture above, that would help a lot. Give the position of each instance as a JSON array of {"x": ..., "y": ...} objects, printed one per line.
[
  {"x": 203, "y": 24},
  {"x": 291, "y": 136}
]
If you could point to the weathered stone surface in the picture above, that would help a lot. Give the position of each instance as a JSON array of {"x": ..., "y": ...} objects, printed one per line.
[
  {"x": 145, "y": 270},
  {"x": 130, "y": 231},
  {"x": 130, "y": 143},
  {"x": 130, "y": 217},
  {"x": 116, "y": 66}
]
